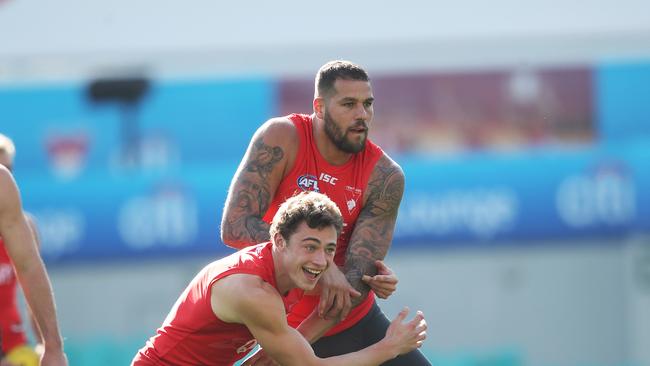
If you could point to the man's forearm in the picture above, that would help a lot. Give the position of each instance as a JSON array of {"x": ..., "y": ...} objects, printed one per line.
[
  {"x": 355, "y": 269},
  {"x": 314, "y": 327},
  {"x": 38, "y": 295},
  {"x": 366, "y": 247}
]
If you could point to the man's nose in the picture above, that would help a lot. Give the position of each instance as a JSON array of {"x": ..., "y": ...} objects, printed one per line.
[
  {"x": 362, "y": 112},
  {"x": 319, "y": 258}
]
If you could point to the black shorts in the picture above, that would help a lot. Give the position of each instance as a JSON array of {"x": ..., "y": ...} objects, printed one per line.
[{"x": 369, "y": 330}]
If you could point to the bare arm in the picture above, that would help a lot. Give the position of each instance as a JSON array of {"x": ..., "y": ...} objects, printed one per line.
[
  {"x": 30, "y": 270},
  {"x": 314, "y": 326},
  {"x": 37, "y": 240},
  {"x": 373, "y": 231},
  {"x": 255, "y": 182},
  {"x": 260, "y": 308}
]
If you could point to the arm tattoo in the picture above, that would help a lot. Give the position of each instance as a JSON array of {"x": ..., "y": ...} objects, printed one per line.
[
  {"x": 264, "y": 158},
  {"x": 243, "y": 223},
  {"x": 373, "y": 231},
  {"x": 250, "y": 195}
]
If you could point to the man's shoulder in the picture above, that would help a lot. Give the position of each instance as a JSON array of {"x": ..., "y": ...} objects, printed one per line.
[
  {"x": 278, "y": 129},
  {"x": 238, "y": 294},
  {"x": 386, "y": 185},
  {"x": 7, "y": 183},
  {"x": 283, "y": 124},
  {"x": 243, "y": 285},
  {"x": 5, "y": 175},
  {"x": 9, "y": 196},
  {"x": 244, "y": 291},
  {"x": 386, "y": 164}
]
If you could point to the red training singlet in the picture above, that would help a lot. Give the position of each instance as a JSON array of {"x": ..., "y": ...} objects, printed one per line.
[
  {"x": 12, "y": 333},
  {"x": 192, "y": 334},
  {"x": 345, "y": 185}
]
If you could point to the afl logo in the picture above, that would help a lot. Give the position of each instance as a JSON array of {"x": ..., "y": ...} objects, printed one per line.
[{"x": 308, "y": 182}]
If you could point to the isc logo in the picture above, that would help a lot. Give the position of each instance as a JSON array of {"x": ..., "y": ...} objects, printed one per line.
[
  {"x": 308, "y": 182},
  {"x": 328, "y": 179}
]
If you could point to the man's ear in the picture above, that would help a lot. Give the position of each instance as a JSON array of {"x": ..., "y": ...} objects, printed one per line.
[
  {"x": 319, "y": 105},
  {"x": 279, "y": 240}
]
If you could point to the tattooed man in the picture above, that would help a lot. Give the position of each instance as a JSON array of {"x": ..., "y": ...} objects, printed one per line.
[{"x": 328, "y": 152}]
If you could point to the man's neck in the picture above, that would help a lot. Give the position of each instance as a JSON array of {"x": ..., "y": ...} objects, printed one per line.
[
  {"x": 282, "y": 280},
  {"x": 330, "y": 152}
]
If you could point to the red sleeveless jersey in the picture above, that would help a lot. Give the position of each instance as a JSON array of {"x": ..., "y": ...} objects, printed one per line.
[
  {"x": 192, "y": 334},
  {"x": 345, "y": 185},
  {"x": 12, "y": 333}
]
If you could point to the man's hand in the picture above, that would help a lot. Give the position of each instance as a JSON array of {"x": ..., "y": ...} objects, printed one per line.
[
  {"x": 335, "y": 294},
  {"x": 259, "y": 358},
  {"x": 404, "y": 337},
  {"x": 384, "y": 283}
]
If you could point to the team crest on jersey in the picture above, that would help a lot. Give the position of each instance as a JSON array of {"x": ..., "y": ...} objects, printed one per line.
[
  {"x": 352, "y": 196},
  {"x": 308, "y": 182}
]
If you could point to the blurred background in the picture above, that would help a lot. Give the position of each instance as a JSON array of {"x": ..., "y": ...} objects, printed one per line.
[{"x": 523, "y": 129}]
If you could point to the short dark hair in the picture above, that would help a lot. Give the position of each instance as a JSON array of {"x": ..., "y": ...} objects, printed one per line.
[
  {"x": 315, "y": 209},
  {"x": 334, "y": 70}
]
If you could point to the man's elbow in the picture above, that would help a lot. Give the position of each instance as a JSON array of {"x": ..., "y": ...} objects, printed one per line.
[
  {"x": 226, "y": 234},
  {"x": 227, "y": 239},
  {"x": 232, "y": 241}
]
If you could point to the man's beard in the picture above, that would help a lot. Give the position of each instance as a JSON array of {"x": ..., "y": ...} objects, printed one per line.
[{"x": 338, "y": 137}]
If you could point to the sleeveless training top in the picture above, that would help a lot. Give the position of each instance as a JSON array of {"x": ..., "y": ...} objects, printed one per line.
[
  {"x": 192, "y": 335},
  {"x": 12, "y": 333},
  {"x": 345, "y": 185}
]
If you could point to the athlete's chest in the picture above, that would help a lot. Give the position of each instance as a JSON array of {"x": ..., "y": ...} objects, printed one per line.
[{"x": 344, "y": 189}]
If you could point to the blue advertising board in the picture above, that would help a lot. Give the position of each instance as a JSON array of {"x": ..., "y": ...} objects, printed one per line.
[
  {"x": 471, "y": 201},
  {"x": 539, "y": 195},
  {"x": 93, "y": 204}
]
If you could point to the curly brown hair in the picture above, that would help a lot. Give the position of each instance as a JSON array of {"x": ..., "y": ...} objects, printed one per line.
[{"x": 315, "y": 209}]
